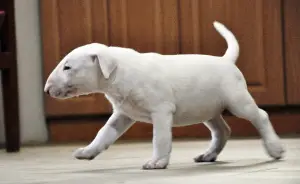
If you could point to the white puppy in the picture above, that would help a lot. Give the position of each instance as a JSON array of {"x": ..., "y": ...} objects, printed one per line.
[{"x": 165, "y": 90}]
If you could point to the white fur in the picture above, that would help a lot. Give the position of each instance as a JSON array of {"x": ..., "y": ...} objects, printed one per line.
[{"x": 165, "y": 90}]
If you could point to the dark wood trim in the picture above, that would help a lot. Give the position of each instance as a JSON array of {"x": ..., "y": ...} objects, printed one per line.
[
  {"x": 77, "y": 117},
  {"x": 8, "y": 66},
  {"x": 6, "y": 58}
]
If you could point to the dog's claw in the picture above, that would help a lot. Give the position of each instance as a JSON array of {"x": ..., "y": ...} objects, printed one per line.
[
  {"x": 275, "y": 149},
  {"x": 85, "y": 154},
  {"x": 153, "y": 164},
  {"x": 205, "y": 158}
]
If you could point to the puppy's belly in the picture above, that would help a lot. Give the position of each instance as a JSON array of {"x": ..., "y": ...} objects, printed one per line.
[
  {"x": 186, "y": 119},
  {"x": 185, "y": 114},
  {"x": 196, "y": 113},
  {"x": 179, "y": 119}
]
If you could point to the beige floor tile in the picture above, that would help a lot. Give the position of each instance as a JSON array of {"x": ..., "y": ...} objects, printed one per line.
[{"x": 241, "y": 162}]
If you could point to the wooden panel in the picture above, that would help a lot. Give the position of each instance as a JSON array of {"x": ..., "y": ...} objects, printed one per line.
[
  {"x": 147, "y": 26},
  {"x": 67, "y": 25},
  {"x": 100, "y": 24},
  {"x": 74, "y": 24},
  {"x": 143, "y": 25},
  {"x": 59, "y": 131},
  {"x": 257, "y": 26},
  {"x": 291, "y": 17}
]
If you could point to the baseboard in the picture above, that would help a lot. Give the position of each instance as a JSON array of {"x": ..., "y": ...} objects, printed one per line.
[{"x": 82, "y": 130}]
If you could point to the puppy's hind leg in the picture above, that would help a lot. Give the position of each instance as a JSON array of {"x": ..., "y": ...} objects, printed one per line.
[
  {"x": 220, "y": 132},
  {"x": 242, "y": 105}
]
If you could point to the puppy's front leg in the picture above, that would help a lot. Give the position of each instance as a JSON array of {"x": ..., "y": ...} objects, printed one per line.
[
  {"x": 116, "y": 125},
  {"x": 162, "y": 141}
]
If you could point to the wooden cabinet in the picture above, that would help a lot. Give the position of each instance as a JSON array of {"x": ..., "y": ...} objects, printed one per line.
[
  {"x": 267, "y": 30},
  {"x": 65, "y": 26},
  {"x": 257, "y": 26},
  {"x": 167, "y": 27},
  {"x": 144, "y": 25}
]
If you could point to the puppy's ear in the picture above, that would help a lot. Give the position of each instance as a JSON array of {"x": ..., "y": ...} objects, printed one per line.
[{"x": 107, "y": 65}]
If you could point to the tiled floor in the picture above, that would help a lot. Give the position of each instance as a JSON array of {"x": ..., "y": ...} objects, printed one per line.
[{"x": 242, "y": 162}]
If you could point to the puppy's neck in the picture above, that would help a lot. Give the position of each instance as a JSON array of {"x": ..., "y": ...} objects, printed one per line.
[
  {"x": 105, "y": 85},
  {"x": 109, "y": 85},
  {"x": 116, "y": 88}
]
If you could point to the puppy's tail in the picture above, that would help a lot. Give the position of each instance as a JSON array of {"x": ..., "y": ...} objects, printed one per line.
[{"x": 232, "y": 53}]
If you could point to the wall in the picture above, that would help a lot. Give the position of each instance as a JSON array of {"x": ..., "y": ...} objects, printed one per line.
[
  {"x": 2, "y": 139},
  {"x": 33, "y": 126}
]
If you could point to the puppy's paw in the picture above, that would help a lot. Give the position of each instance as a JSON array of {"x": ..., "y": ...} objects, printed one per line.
[
  {"x": 156, "y": 164},
  {"x": 85, "y": 154},
  {"x": 211, "y": 157},
  {"x": 274, "y": 149}
]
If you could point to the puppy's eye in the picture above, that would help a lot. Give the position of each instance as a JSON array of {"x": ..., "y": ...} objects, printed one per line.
[{"x": 66, "y": 68}]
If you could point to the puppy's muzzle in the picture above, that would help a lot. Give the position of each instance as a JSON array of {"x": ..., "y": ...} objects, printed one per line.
[
  {"x": 52, "y": 91},
  {"x": 48, "y": 92}
]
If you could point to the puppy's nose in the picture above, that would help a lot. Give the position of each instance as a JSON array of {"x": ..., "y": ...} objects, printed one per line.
[{"x": 47, "y": 89}]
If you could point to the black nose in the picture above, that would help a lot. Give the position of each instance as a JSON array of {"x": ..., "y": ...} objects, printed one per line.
[{"x": 48, "y": 92}]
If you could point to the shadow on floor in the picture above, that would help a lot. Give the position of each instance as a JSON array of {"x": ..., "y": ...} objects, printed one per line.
[{"x": 187, "y": 169}]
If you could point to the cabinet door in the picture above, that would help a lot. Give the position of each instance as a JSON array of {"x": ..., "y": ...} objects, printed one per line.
[
  {"x": 257, "y": 26},
  {"x": 67, "y": 24},
  {"x": 147, "y": 26},
  {"x": 167, "y": 27}
]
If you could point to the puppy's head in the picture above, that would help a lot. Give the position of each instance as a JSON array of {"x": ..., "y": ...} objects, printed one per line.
[{"x": 84, "y": 70}]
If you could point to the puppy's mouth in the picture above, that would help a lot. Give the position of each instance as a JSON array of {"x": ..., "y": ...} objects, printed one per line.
[
  {"x": 65, "y": 94},
  {"x": 70, "y": 92}
]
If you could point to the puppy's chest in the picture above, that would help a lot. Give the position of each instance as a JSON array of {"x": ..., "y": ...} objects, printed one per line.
[{"x": 130, "y": 106}]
